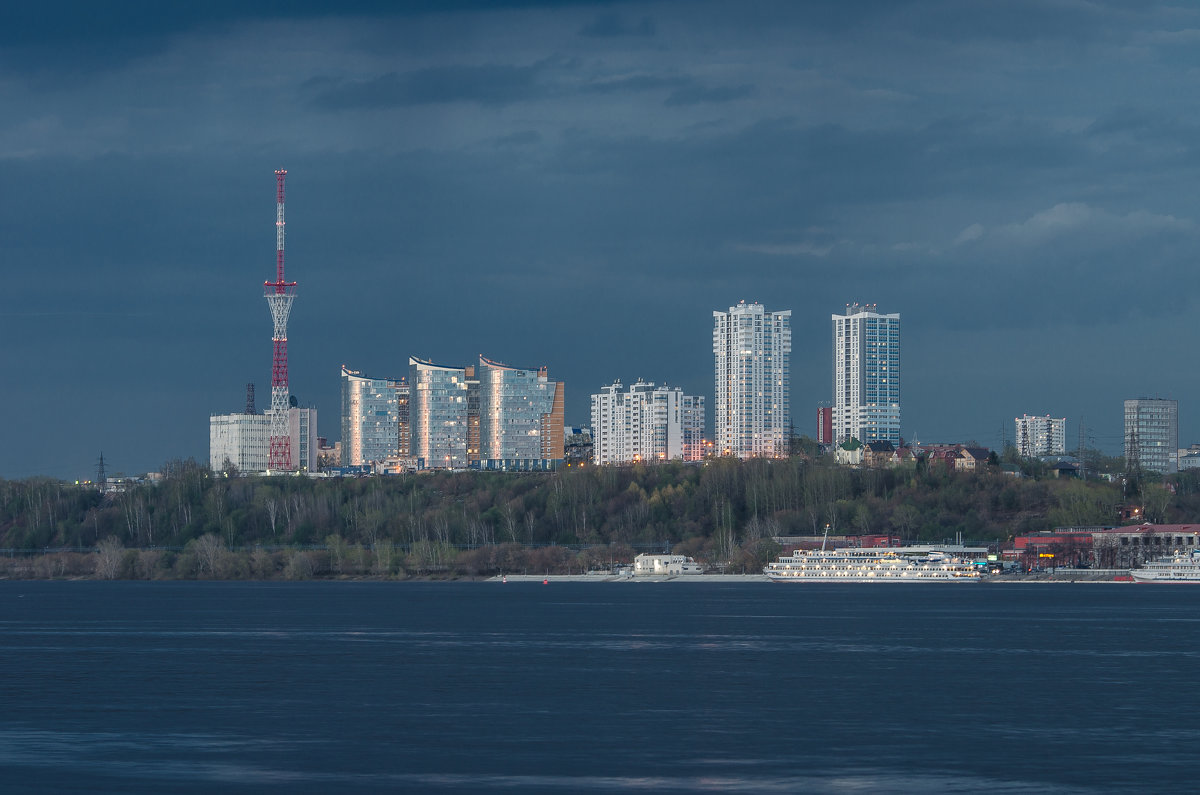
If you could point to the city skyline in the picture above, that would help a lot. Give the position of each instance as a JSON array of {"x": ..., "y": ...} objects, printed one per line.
[{"x": 580, "y": 185}]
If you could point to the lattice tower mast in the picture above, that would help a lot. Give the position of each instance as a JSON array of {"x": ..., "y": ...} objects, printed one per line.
[{"x": 280, "y": 295}]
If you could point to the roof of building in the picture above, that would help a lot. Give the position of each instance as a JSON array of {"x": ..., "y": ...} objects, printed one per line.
[
  {"x": 1148, "y": 528},
  {"x": 413, "y": 360}
]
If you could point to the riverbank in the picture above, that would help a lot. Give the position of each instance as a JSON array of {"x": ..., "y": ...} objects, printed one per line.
[
  {"x": 641, "y": 578},
  {"x": 1064, "y": 576},
  {"x": 1067, "y": 575}
]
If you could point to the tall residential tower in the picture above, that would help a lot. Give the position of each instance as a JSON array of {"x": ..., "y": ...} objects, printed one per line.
[
  {"x": 1038, "y": 436},
  {"x": 374, "y": 418},
  {"x": 1152, "y": 435},
  {"x": 752, "y": 349},
  {"x": 866, "y": 375},
  {"x": 646, "y": 424},
  {"x": 438, "y": 414},
  {"x": 520, "y": 417}
]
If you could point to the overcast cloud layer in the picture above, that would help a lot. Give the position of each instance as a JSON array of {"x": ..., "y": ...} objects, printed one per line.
[{"x": 579, "y": 186}]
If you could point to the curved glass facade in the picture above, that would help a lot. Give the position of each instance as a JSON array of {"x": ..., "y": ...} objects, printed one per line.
[
  {"x": 520, "y": 415},
  {"x": 438, "y": 414}
]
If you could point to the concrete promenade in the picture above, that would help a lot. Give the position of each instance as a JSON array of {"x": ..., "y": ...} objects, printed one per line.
[
  {"x": 1060, "y": 576},
  {"x": 641, "y": 578}
]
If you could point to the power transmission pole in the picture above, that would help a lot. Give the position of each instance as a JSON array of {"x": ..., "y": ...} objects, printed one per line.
[{"x": 1082, "y": 460}]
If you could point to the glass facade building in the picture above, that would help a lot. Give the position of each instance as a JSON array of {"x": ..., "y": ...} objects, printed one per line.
[
  {"x": 691, "y": 410},
  {"x": 374, "y": 418},
  {"x": 866, "y": 375},
  {"x": 438, "y": 414},
  {"x": 520, "y": 417}
]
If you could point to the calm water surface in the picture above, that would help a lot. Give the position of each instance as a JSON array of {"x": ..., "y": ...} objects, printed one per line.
[{"x": 335, "y": 687}]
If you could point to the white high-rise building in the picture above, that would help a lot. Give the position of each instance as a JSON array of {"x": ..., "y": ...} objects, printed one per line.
[
  {"x": 1152, "y": 435},
  {"x": 644, "y": 424},
  {"x": 1038, "y": 436},
  {"x": 752, "y": 351},
  {"x": 866, "y": 375}
]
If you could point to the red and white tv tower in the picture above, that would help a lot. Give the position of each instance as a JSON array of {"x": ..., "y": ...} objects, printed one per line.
[{"x": 280, "y": 295}]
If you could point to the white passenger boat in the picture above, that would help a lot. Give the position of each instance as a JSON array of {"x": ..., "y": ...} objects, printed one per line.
[
  {"x": 1180, "y": 567},
  {"x": 878, "y": 564}
]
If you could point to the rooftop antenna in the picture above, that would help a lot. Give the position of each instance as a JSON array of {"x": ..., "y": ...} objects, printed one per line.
[
  {"x": 279, "y": 294},
  {"x": 250, "y": 399}
]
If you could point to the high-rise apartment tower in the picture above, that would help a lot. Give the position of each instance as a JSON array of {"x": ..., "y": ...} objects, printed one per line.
[
  {"x": 520, "y": 417},
  {"x": 866, "y": 375},
  {"x": 438, "y": 411},
  {"x": 1037, "y": 436},
  {"x": 374, "y": 418},
  {"x": 646, "y": 424},
  {"x": 1152, "y": 435},
  {"x": 752, "y": 350}
]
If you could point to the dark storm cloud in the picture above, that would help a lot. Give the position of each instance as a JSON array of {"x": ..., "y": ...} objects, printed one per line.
[
  {"x": 633, "y": 83},
  {"x": 682, "y": 90},
  {"x": 489, "y": 84},
  {"x": 610, "y": 25},
  {"x": 522, "y": 138},
  {"x": 697, "y": 94}
]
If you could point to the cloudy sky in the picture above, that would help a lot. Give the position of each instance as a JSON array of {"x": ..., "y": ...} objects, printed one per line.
[{"x": 580, "y": 185}]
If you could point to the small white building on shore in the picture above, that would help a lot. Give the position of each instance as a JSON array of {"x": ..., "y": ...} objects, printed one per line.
[{"x": 646, "y": 565}]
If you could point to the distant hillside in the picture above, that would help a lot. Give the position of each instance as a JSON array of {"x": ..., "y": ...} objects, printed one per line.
[{"x": 715, "y": 510}]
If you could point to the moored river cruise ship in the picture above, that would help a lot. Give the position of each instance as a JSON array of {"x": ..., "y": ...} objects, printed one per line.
[
  {"x": 1180, "y": 567},
  {"x": 881, "y": 564}
]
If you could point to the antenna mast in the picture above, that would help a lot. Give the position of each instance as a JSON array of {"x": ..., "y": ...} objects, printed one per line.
[{"x": 279, "y": 294}]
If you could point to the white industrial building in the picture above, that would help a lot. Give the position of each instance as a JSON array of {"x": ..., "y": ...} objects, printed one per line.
[
  {"x": 665, "y": 564},
  {"x": 244, "y": 440}
]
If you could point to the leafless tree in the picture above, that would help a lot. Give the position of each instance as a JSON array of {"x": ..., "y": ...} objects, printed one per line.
[
  {"x": 109, "y": 554},
  {"x": 272, "y": 506},
  {"x": 209, "y": 549}
]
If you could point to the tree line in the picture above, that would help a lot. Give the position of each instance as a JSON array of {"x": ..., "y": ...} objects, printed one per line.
[{"x": 722, "y": 511}]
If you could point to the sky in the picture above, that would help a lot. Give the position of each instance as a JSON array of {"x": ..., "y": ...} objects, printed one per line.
[{"x": 579, "y": 186}]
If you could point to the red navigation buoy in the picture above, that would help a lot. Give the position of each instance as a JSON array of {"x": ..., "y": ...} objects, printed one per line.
[{"x": 546, "y": 581}]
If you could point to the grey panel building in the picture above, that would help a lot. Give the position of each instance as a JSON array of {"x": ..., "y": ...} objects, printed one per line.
[{"x": 1152, "y": 435}]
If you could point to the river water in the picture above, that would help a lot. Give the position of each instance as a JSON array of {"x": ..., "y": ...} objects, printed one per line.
[{"x": 597, "y": 687}]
